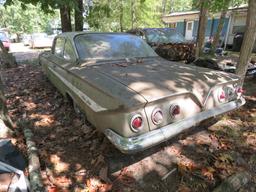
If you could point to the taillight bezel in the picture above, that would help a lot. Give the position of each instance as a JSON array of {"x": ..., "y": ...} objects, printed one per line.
[
  {"x": 240, "y": 90},
  {"x": 156, "y": 110},
  {"x": 220, "y": 94},
  {"x": 136, "y": 130},
  {"x": 172, "y": 108}
]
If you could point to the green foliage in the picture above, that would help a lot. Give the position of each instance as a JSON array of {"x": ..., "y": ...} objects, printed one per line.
[
  {"x": 179, "y": 5},
  {"x": 219, "y": 5},
  {"x": 47, "y": 6},
  {"x": 107, "y": 15},
  {"x": 112, "y": 15},
  {"x": 215, "y": 6},
  {"x": 27, "y": 18}
]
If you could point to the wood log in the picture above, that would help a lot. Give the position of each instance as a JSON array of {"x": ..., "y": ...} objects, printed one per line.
[
  {"x": 234, "y": 182},
  {"x": 34, "y": 163}
]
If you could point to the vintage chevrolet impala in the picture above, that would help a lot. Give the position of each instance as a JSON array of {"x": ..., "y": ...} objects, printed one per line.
[{"x": 133, "y": 96}]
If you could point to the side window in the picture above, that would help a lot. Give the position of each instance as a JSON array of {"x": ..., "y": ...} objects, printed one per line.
[
  {"x": 59, "y": 47},
  {"x": 69, "y": 53}
]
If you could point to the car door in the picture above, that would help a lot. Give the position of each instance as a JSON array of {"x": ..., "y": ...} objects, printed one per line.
[
  {"x": 64, "y": 57},
  {"x": 49, "y": 63}
]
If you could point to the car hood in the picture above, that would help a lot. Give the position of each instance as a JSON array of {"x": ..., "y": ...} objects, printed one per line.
[{"x": 158, "y": 78}]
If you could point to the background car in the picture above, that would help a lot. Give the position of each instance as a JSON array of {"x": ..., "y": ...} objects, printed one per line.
[
  {"x": 40, "y": 40},
  {"x": 237, "y": 42},
  {"x": 5, "y": 40},
  {"x": 26, "y": 39},
  {"x": 136, "y": 98},
  {"x": 168, "y": 43}
]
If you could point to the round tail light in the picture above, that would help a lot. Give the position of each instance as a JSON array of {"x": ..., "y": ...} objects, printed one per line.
[
  {"x": 157, "y": 116},
  {"x": 174, "y": 110},
  {"x": 222, "y": 96},
  {"x": 240, "y": 90},
  {"x": 136, "y": 123}
]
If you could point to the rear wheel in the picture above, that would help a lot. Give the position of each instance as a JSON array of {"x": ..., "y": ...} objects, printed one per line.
[
  {"x": 77, "y": 109},
  {"x": 79, "y": 113}
]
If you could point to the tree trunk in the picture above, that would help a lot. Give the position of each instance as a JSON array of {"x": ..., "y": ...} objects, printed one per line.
[
  {"x": 133, "y": 12},
  {"x": 249, "y": 39},
  {"x": 202, "y": 27},
  {"x": 171, "y": 6},
  {"x": 65, "y": 18},
  {"x": 121, "y": 16},
  {"x": 163, "y": 7},
  {"x": 216, "y": 37},
  {"x": 6, "y": 60},
  {"x": 79, "y": 19}
]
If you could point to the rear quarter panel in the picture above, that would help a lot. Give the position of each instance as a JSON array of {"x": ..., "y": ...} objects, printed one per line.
[{"x": 106, "y": 103}]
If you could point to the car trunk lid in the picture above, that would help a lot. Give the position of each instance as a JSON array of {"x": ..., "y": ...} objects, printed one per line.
[{"x": 157, "y": 78}]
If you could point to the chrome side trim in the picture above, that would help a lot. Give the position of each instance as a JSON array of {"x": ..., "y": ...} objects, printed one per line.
[
  {"x": 94, "y": 106},
  {"x": 149, "y": 139}
]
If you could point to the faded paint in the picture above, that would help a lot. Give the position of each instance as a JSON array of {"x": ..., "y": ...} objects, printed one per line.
[{"x": 111, "y": 92}]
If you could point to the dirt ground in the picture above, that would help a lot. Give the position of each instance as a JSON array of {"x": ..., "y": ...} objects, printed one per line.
[{"x": 75, "y": 157}]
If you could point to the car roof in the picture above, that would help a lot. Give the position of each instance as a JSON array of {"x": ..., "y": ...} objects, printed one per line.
[
  {"x": 159, "y": 28},
  {"x": 71, "y": 35},
  {"x": 2, "y": 32},
  {"x": 145, "y": 29}
]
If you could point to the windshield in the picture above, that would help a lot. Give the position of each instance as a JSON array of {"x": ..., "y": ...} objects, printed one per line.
[
  {"x": 111, "y": 47},
  {"x": 3, "y": 37},
  {"x": 164, "y": 36}
]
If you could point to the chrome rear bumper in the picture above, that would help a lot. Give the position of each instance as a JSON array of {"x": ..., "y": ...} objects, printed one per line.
[{"x": 149, "y": 139}]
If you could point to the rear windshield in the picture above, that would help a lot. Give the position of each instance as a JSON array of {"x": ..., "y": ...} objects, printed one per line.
[
  {"x": 39, "y": 35},
  {"x": 164, "y": 36},
  {"x": 111, "y": 47}
]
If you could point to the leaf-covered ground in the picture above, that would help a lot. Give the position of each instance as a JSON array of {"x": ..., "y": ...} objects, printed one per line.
[{"x": 75, "y": 157}]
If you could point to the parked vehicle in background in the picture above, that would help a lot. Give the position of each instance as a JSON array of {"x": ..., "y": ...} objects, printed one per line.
[
  {"x": 26, "y": 39},
  {"x": 237, "y": 42},
  {"x": 40, "y": 40},
  {"x": 230, "y": 66},
  {"x": 136, "y": 98},
  {"x": 13, "y": 38},
  {"x": 5, "y": 40},
  {"x": 167, "y": 43}
]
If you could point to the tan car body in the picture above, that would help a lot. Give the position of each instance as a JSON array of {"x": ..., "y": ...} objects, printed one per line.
[{"x": 110, "y": 93}]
